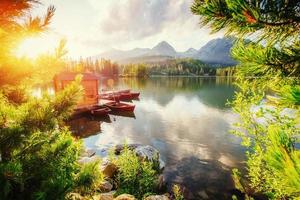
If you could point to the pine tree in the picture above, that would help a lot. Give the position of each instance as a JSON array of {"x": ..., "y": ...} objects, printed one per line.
[
  {"x": 38, "y": 155},
  {"x": 268, "y": 51}
]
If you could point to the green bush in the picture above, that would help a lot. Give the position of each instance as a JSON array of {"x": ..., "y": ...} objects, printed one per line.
[
  {"x": 135, "y": 177},
  {"x": 38, "y": 157},
  {"x": 89, "y": 178}
]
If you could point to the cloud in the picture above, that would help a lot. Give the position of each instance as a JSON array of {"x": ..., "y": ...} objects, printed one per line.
[
  {"x": 94, "y": 26},
  {"x": 139, "y": 19}
]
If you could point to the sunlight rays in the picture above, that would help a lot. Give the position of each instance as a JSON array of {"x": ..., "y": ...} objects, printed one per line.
[{"x": 34, "y": 47}]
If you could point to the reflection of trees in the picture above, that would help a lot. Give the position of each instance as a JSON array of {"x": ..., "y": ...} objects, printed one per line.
[
  {"x": 84, "y": 127},
  {"x": 212, "y": 91}
]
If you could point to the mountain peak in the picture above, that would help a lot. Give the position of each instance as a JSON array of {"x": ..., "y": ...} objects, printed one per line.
[
  {"x": 191, "y": 50},
  {"x": 164, "y": 48}
]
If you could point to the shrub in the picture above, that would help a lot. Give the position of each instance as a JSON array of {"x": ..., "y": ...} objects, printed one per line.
[
  {"x": 135, "y": 177},
  {"x": 89, "y": 178}
]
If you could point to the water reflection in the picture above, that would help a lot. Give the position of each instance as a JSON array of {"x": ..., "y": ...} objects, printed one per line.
[
  {"x": 85, "y": 125},
  {"x": 188, "y": 121}
]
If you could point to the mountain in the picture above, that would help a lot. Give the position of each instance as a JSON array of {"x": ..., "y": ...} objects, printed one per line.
[
  {"x": 215, "y": 52},
  {"x": 163, "y": 49},
  {"x": 190, "y": 53}
]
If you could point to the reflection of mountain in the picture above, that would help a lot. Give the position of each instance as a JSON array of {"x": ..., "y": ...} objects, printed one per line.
[{"x": 216, "y": 51}]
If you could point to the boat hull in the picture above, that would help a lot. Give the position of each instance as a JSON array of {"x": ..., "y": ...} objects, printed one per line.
[
  {"x": 120, "y": 107},
  {"x": 100, "y": 111}
]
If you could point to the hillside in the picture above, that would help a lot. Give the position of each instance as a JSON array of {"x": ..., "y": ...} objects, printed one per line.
[{"x": 215, "y": 52}]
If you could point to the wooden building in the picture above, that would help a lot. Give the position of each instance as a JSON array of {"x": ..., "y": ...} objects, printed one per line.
[{"x": 90, "y": 84}]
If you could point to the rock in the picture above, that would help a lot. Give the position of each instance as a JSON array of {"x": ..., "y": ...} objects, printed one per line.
[
  {"x": 157, "y": 197},
  {"x": 108, "y": 168},
  {"x": 74, "y": 196},
  {"x": 120, "y": 147},
  {"x": 147, "y": 153},
  {"x": 105, "y": 186},
  {"x": 161, "y": 183},
  {"x": 85, "y": 160},
  {"x": 125, "y": 197},
  {"x": 162, "y": 165},
  {"x": 88, "y": 153},
  {"x": 107, "y": 196},
  {"x": 203, "y": 194}
]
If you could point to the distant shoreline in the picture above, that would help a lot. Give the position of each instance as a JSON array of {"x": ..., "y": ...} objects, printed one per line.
[{"x": 184, "y": 76}]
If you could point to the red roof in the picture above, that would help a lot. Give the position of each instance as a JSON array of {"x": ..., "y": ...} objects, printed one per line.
[{"x": 69, "y": 76}]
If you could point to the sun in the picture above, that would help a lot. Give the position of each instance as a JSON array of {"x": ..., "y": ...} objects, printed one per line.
[{"x": 34, "y": 47}]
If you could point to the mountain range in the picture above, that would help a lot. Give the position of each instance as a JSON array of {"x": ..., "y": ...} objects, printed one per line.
[{"x": 215, "y": 52}]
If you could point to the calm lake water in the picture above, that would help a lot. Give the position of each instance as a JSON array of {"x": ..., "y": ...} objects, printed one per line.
[{"x": 187, "y": 120}]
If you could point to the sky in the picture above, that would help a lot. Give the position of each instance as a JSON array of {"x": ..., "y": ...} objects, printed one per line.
[{"x": 94, "y": 26}]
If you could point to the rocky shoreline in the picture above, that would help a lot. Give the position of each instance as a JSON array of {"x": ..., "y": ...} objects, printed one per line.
[{"x": 107, "y": 189}]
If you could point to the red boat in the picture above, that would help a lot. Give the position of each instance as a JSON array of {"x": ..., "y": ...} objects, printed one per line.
[
  {"x": 124, "y": 91},
  {"x": 135, "y": 95},
  {"x": 120, "y": 107},
  {"x": 109, "y": 92},
  {"x": 125, "y": 96},
  {"x": 100, "y": 111},
  {"x": 122, "y": 95},
  {"x": 116, "y": 97},
  {"x": 112, "y": 97}
]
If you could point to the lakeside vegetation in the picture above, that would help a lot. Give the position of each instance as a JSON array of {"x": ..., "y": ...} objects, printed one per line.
[
  {"x": 171, "y": 67},
  {"x": 266, "y": 130}
]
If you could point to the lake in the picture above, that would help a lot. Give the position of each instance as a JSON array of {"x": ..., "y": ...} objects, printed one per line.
[{"x": 187, "y": 120}]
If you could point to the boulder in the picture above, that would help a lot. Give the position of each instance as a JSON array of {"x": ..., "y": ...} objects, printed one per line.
[
  {"x": 108, "y": 168},
  {"x": 157, "y": 197},
  {"x": 120, "y": 147},
  {"x": 74, "y": 196},
  {"x": 162, "y": 165},
  {"x": 161, "y": 184},
  {"x": 147, "y": 153},
  {"x": 88, "y": 153},
  {"x": 106, "y": 196},
  {"x": 85, "y": 160},
  {"x": 105, "y": 186},
  {"x": 203, "y": 194},
  {"x": 125, "y": 197}
]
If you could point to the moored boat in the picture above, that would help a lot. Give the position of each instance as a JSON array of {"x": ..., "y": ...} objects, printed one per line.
[
  {"x": 125, "y": 96},
  {"x": 103, "y": 110},
  {"x": 124, "y": 91},
  {"x": 112, "y": 97},
  {"x": 135, "y": 95},
  {"x": 120, "y": 107},
  {"x": 126, "y": 114}
]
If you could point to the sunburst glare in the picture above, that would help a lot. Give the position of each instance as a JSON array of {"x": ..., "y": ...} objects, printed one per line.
[{"x": 34, "y": 47}]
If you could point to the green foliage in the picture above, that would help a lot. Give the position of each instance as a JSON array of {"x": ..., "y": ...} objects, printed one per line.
[
  {"x": 186, "y": 66},
  {"x": 89, "y": 178},
  {"x": 135, "y": 177},
  {"x": 38, "y": 155},
  {"x": 226, "y": 71},
  {"x": 177, "y": 193},
  {"x": 104, "y": 67},
  {"x": 135, "y": 70},
  {"x": 38, "y": 158},
  {"x": 268, "y": 81},
  {"x": 172, "y": 67},
  {"x": 240, "y": 18}
]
